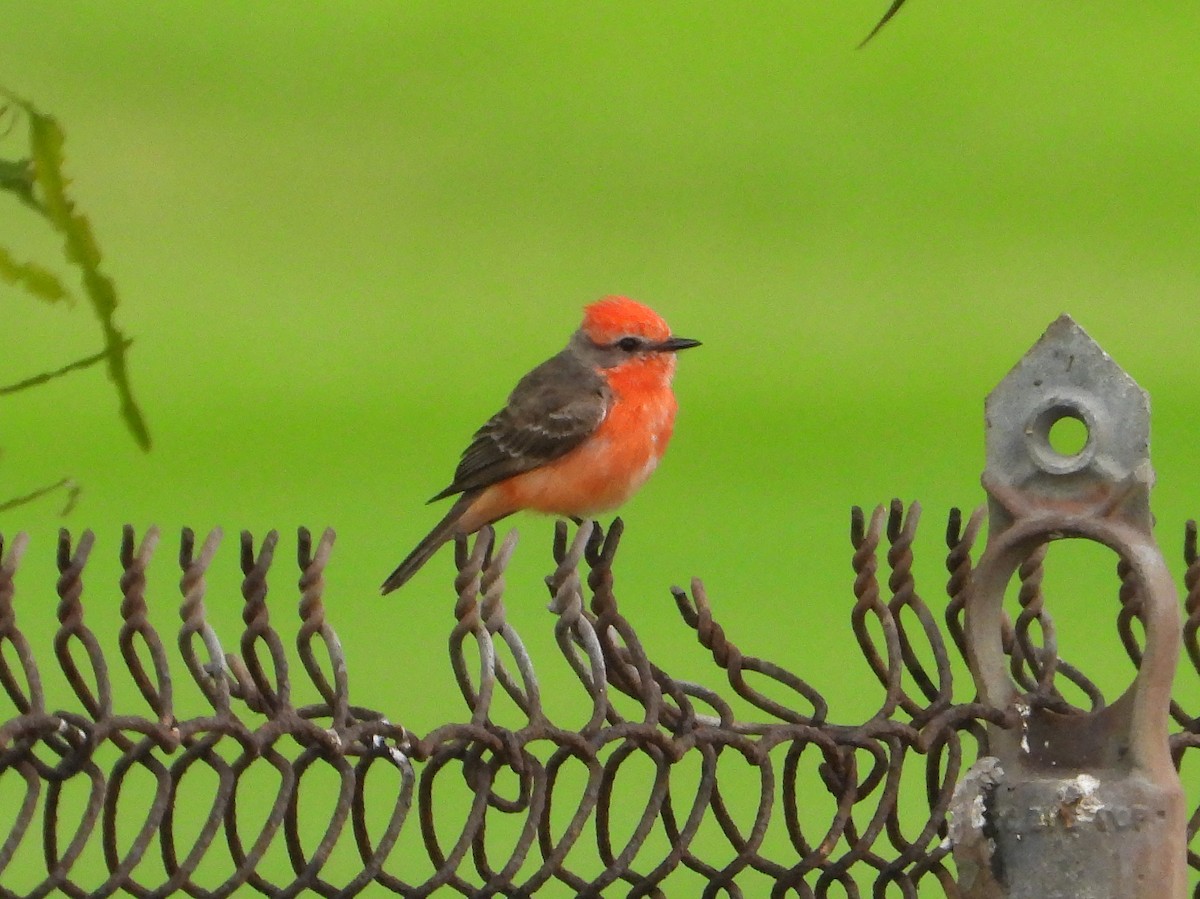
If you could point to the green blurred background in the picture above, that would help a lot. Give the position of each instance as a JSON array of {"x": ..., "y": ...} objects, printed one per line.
[{"x": 341, "y": 232}]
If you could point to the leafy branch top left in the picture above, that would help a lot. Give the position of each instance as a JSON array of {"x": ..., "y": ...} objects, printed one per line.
[{"x": 37, "y": 181}]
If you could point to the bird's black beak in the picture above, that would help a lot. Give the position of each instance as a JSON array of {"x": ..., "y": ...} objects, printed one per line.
[{"x": 675, "y": 344}]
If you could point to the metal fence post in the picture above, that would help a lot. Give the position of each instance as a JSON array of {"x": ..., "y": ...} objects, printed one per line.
[{"x": 1071, "y": 803}]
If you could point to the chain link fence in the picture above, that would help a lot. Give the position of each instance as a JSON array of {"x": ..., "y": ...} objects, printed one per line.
[{"x": 792, "y": 750}]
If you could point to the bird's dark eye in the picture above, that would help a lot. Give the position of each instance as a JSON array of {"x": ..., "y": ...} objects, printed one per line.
[{"x": 629, "y": 344}]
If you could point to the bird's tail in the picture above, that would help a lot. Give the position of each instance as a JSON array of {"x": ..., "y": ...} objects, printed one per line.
[{"x": 444, "y": 530}]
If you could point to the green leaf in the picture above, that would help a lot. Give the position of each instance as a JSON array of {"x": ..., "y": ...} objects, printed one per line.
[
  {"x": 17, "y": 176},
  {"x": 31, "y": 277}
]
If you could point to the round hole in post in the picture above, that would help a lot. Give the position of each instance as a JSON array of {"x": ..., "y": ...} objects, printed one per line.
[
  {"x": 1061, "y": 436},
  {"x": 1068, "y": 436}
]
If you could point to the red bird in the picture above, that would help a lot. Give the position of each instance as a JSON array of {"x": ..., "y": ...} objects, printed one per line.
[{"x": 579, "y": 434}]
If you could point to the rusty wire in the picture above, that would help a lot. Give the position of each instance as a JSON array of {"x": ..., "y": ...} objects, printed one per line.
[{"x": 801, "y": 764}]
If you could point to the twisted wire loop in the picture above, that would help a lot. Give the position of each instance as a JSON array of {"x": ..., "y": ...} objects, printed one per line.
[
  {"x": 1189, "y": 735},
  {"x": 660, "y": 785}
]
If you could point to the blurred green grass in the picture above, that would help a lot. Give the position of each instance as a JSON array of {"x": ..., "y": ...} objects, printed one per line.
[{"x": 341, "y": 232}]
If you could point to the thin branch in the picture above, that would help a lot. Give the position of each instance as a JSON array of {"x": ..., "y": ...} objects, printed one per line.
[
  {"x": 77, "y": 365},
  {"x": 68, "y": 484},
  {"x": 887, "y": 17}
]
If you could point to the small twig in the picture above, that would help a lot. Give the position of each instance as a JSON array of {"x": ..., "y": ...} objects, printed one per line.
[
  {"x": 68, "y": 484},
  {"x": 887, "y": 17},
  {"x": 77, "y": 365}
]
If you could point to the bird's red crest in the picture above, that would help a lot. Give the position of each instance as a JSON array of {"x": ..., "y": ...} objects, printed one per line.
[{"x": 610, "y": 318}]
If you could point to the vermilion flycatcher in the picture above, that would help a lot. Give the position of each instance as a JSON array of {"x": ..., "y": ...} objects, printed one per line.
[{"x": 579, "y": 435}]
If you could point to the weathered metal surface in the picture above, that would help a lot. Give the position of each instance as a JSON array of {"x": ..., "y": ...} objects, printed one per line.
[{"x": 1072, "y": 802}]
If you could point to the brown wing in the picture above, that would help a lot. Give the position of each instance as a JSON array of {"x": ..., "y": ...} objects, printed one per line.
[{"x": 549, "y": 413}]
